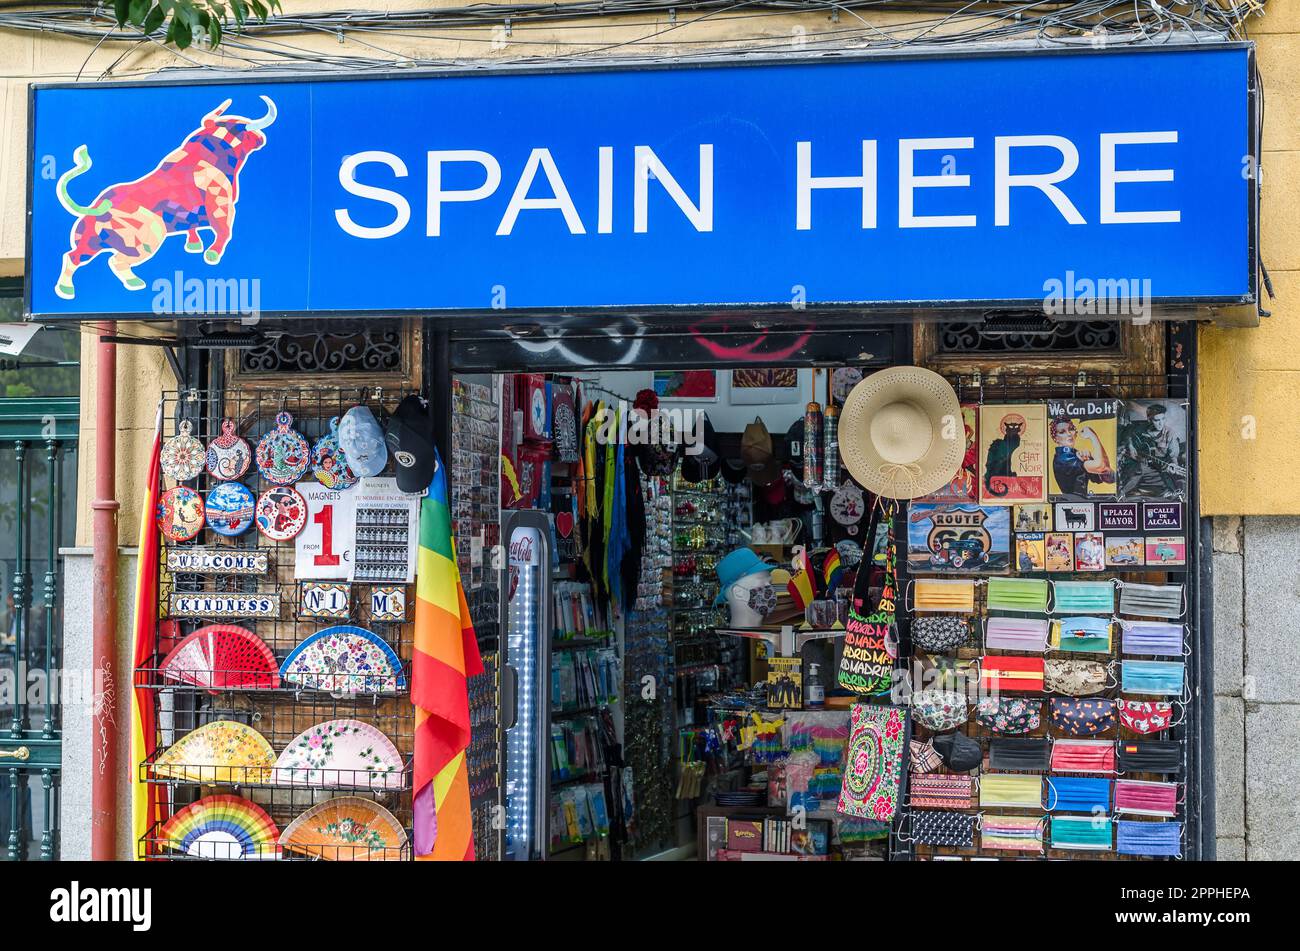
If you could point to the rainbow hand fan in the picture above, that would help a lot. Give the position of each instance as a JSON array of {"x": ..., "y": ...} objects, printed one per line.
[
  {"x": 222, "y": 656},
  {"x": 341, "y": 753},
  {"x": 346, "y": 829},
  {"x": 222, "y": 827},
  {"x": 222, "y": 751},
  {"x": 345, "y": 659}
]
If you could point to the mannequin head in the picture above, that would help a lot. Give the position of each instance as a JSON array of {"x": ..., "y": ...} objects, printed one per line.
[{"x": 749, "y": 605}]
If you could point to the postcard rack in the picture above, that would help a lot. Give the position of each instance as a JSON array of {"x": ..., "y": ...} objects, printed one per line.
[{"x": 280, "y": 712}]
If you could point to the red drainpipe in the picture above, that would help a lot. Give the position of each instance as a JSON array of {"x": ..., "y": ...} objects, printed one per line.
[{"x": 104, "y": 776}]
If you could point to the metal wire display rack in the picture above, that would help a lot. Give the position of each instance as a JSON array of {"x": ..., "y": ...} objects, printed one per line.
[{"x": 280, "y": 710}]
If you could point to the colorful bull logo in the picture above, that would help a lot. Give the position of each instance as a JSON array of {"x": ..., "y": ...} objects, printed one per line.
[{"x": 194, "y": 187}]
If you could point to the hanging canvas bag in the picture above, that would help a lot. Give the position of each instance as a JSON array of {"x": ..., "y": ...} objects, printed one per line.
[
  {"x": 867, "y": 663},
  {"x": 873, "y": 762}
]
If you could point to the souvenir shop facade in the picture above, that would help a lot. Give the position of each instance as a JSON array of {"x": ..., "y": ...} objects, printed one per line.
[{"x": 931, "y": 572}]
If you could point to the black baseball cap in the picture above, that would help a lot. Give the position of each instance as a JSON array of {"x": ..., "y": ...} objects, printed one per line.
[{"x": 409, "y": 435}]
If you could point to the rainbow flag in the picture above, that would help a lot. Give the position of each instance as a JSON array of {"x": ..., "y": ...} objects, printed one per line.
[
  {"x": 146, "y": 800},
  {"x": 832, "y": 570},
  {"x": 446, "y": 655}
]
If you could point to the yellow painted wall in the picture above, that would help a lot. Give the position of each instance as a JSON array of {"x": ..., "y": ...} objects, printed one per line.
[
  {"x": 1250, "y": 378},
  {"x": 1244, "y": 373}
]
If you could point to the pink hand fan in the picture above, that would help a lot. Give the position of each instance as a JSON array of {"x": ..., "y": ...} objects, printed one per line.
[
  {"x": 341, "y": 753},
  {"x": 223, "y": 657}
]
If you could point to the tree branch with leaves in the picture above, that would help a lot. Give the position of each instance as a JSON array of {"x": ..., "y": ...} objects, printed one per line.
[{"x": 188, "y": 20}]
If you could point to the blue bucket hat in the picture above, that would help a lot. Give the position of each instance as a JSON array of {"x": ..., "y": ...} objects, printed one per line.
[{"x": 738, "y": 564}]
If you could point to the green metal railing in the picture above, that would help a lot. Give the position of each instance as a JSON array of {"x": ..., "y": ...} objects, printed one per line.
[{"x": 38, "y": 446}]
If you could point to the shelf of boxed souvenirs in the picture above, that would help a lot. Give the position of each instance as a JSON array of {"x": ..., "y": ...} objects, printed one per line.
[{"x": 787, "y": 640}]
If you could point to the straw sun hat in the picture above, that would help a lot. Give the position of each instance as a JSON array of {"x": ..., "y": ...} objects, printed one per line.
[{"x": 901, "y": 432}]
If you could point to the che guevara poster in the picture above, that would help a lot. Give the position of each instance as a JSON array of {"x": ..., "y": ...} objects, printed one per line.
[{"x": 1013, "y": 453}]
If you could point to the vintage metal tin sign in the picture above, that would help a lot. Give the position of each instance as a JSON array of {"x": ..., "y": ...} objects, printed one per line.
[{"x": 217, "y": 561}]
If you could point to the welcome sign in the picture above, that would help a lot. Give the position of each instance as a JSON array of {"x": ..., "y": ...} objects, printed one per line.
[{"x": 877, "y": 181}]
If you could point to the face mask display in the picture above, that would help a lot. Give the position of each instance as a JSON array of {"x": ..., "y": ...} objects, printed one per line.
[
  {"x": 940, "y": 791},
  {"x": 1150, "y": 756},
  {"x": 1011, "y": 790},
  {"x": 1083, "y": 756},
  {"x": 1146, "y": 716},
  {"x": 1015, "y": 634},
  {"x": 922, "y": 757},
  {"x": 1083, "y": 597},
  {"x": 1020, "y": 833},
  {"x": 1011, "y": 674},
  {"x": 1075, "y": 678},
  {"x": 1026, "y": 754},
  {"x": 1148, "y": 838},
  {"x": 1085, "y": 833},
  {"x": 1078, "y": 794},
  {"x": 954, "y": 596},
  {"x": 960, "y": 753},
  {"x": 1009, "y": 714},
  {"x": 1085, "y": 634},
  {"x": 1141, "y": 798},
  {"x": 1082, "y": 717},
  {"x": 1152, "y": 637},
  {"x": 939, "y": 710},
  {"x": 1025, "y": 595},
  {"x": 940, "y": 634},
  {"x": 943, "y": 828},
  {"x": 1151, "y": 600},
  {"x": 1161, "y": 677}
]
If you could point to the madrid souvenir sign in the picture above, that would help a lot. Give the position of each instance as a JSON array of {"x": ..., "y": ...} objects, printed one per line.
[
  {"x": 229, "y": 456},
  {"x": 213, "y": 604},
  {"x": 182, "y": 455},
  {"x": 331, "y": 600},
  {"x": 323, "y": 549},
  {"x": 1162, "y": 516},
  {"x": 281, "y": 513},
  {"x": 329, "y": 463},
  {"x": 180, "y": 514},
  {"x": 283, "y": 454},
  {"x": 388, "y": 603},
  {"x": 230, "y": 508},
  {"x": 218, "y": 561}
]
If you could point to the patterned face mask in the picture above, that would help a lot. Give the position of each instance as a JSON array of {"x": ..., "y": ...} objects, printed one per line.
[
  {"x": 1009, "y": 715},
  {"x": 1085, "y": 634},
  {"x": 939, "y": 710},
  {"x": 1074, "y": 678},
  {"x": 1082, "y": 717},
  {"x": 923, "y": 757},
  {"x": 762, "y": 599},
  {"x": 1011, "y": 674},
  {"x": 1018, "y": 833},
  {"x": 940, "y": 791},
  {"x": 940, "y": 634},
  {"x": 943, "y": 828},
  {"x": 1146, "y": 716}
]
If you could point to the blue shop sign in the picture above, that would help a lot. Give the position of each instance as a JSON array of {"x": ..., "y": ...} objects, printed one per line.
[{"x": 875, "y": 182}]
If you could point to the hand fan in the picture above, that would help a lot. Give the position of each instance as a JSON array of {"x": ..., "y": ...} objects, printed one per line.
[
  {"x": 341, "y": 753},
  {"x": 222, "y": 656},
  {"x": 346, "y": 829},
  {"x": 222, "y": 827},
  {"x": 344, "y": 659},
  {"x": 222, "y": 751}
]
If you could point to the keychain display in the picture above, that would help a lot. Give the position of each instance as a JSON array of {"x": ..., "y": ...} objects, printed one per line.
[
  {"x": 329, "y": 463},
  {"x": 182, "y": 455},
  {"x": 283, "y": 454},
  {"x": 230, "y": 508},
  {"x": 180, "y": 514},
  {"x": 229, "y": 456},
  {"x": 281, "y": 513}
]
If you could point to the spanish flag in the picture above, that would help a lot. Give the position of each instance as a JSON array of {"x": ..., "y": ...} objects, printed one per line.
[
  {"x": 146, "y": 799},
  {"x": 446, "y": 655}
]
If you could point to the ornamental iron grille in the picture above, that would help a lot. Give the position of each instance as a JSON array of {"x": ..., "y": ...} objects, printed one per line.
[
  {"x": 1002, "y": 335},
  {"x": 376, "y": 346}
]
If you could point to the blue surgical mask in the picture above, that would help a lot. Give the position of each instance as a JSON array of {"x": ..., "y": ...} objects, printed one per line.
[
  {"x": 1078, "y": 794},
  {"x": 1161, "y": 677},
  {"x": 1149, "y": 838},
  {"x": 1152, "y": 637},
  {"x": 1083, "y": 597},
  {"x": 1082, "y": 634},
  {"x": 1088, "y": 833}
]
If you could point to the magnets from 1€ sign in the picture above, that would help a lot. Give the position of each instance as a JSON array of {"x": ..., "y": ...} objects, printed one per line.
[
  {"x": 283, "y": 454},
  {"x": 281, "y": 513},
  {"x": 182, "y": 455},
  {"x": 229, "y": 456},
  {"x": 180, "y": 514}
]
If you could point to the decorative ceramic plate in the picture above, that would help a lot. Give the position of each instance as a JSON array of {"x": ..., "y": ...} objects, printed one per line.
[
  {"x": 182, "y": 455},
  {"x": 283, "y": 454},
  {"x": 341, "y": 753},
  {"x": 346, "y": 829},
  {"x": 281, "y": 513},
  {"x": 222, "y": 827},
  {"x": 329, "y": 463},
  {"x": 222, "y": 656},
  {"x": 228, "y": 455},
  {"x": 180, "y": 514},
  {"x": 222, "y": 751},
  {"x": 344, "y": 659},
  {"x": 230, "y": 508}
]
